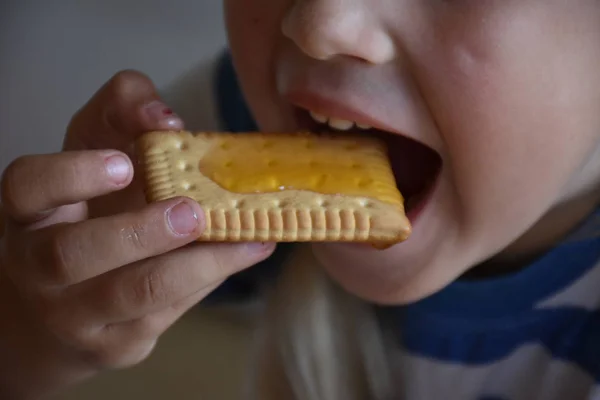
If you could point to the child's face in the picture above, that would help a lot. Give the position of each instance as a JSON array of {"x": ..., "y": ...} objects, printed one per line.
[{"x": 506, "y": 92}]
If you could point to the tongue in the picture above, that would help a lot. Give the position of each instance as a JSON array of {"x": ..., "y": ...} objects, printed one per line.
[{"x": 415, "y": 165}]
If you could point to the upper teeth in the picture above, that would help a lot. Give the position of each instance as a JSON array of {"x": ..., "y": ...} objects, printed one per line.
[{"x": 336, "y": 123}]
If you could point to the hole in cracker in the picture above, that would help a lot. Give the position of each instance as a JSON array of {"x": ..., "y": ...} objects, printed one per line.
[
  {"x": 268, "y": 144},
  {"x": 272, "y": 163},
  {"x": 183, "y": 145},
  {"x": 184, "y": 166},
  {"x": 364, "y": 203},
  {"x": 229, "y": 164},
  {"x": 351, "y": 146},
  {"x": 356, "y": 166},
  {"x": 225, "y": 145}
]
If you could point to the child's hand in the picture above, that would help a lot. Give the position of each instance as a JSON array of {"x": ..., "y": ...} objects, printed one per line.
[{"x": 90, "y": 277}]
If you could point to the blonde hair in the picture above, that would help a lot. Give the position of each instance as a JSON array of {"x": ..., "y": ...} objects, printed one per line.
[{"x": 317, "y": 342}]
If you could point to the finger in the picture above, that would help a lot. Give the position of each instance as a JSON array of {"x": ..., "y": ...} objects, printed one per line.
[
  {"x": 61, "y": 179},
  {"x": 115, "y": 345},
  {"x": 147, "y": 287},
  {"x": 129, "y": 343},
  {"x": 160, "y": 321},
  {"x": 68, "y": 254},
  {"x": 124, "y": 108}
]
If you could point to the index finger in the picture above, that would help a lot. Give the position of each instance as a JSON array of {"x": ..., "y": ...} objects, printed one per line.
[
  {"x": 32, "y": 186},
  {"x": 124, "y": 108},
  {"x": 68, "y": 254}
]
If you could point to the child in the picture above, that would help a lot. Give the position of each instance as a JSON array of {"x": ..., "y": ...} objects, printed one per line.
[{"x": 495, "y": 294}]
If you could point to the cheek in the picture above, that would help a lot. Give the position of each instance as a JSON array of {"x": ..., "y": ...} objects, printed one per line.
[
  {"x": 517, "y": 121},
  {"x": 249, "y": 28},
  {"x": 254, "y": 31}
]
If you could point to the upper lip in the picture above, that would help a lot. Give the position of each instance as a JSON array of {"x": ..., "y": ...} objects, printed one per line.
[
  {"x": 346, "y": 89},
  {"x": 331, "y": 108},
  {"x": 348, "y": 109}
]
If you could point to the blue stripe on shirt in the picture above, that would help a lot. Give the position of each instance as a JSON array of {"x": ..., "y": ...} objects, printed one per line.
[{"x": 569, "y": 334}]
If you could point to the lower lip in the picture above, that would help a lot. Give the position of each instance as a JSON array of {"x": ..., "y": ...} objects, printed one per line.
[{"x": 417, "y": 210}]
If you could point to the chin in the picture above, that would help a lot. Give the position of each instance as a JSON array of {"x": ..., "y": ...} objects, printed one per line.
[{"x": 404, "y": 273}]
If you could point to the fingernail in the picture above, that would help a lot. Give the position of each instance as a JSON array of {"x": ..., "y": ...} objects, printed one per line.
[
  {"x": 159, "y": 112},
  {"x": 260, "y": 247},
  {"x": 118, "y": 168},
  {"x": 183, "y": 220}
]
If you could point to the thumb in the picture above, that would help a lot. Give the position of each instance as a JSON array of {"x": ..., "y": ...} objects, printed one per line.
[{"x": 123, "y": 109}]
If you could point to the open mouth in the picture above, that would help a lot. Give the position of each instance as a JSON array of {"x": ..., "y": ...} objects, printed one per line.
[{"x": 416, "y": 166}]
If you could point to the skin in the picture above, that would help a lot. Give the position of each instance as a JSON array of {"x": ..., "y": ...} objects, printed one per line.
[{"x": 506, "y": 91}]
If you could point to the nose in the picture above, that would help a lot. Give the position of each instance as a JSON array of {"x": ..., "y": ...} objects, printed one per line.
[{"x": 324, "y": 29}]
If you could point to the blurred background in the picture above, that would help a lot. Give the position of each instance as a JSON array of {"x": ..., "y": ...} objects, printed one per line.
[{"x": 53, "y": 56}]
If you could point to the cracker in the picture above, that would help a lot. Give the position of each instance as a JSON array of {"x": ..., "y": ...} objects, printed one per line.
[{"x": 279, "y": 187}]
